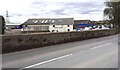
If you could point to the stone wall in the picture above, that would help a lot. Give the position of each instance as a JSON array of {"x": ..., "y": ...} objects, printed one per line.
[{"x": 13, "y": 43}]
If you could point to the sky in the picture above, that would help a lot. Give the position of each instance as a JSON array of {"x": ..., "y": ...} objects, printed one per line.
[{"x": 21, "y": 10}]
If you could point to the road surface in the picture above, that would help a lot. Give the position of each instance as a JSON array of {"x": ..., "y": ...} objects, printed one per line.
[{"x": 92, "y": 53}]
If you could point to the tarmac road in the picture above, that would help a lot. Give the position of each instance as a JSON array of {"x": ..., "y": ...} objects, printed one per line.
[{"x": 92, "y": 53}]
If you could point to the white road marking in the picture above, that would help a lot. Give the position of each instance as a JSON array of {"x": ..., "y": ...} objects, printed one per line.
[
  {"x": 48, "y": 61},
  {"x": 100, "y": 46}
]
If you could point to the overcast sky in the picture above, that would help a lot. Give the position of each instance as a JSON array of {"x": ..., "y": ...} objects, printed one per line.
[{"x": 21, "y": 10}]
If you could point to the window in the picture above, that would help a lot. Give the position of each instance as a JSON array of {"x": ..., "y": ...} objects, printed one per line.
[
  {"x": 36, "y": 21},
  {"x": 53, "y": 25},
  {"x": 68, "y": 29},
  {"x": 52, "y": 30},
  {"x": 60, "y": 20},
  {"x": 42, "y": 21},
  {"x": 33, "y": 21},
  {"x": 68, "y": 25},
  {"x": 53, "y": 21},
  {"x": 46, "y": 21}
]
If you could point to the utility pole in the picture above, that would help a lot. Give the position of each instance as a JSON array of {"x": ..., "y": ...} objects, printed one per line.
[{"x": 7, "y": 18}]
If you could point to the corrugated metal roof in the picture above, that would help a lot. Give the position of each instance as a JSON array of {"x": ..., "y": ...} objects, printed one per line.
[
  {"x": 45, "y": 21},
  {"x": 81, "y": 21}
]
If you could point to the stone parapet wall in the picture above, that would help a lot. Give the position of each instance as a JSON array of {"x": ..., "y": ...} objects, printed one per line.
[{"x": 13, "y": 43}]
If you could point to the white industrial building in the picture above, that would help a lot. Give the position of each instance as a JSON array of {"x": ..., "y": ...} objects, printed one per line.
[{"x": 49, "y": 25}]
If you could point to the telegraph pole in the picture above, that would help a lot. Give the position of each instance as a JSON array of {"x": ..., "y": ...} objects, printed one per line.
[{"x": 7, "y": 18}]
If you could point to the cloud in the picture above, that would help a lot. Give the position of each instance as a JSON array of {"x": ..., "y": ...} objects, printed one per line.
[
  {"x": 60, "y": 8},
  {"x": 59, "y": 12},
  {"x": 17, "y": 14},
  {"x": 70, "y": 0},
  {"x": 82, "y": 9}
]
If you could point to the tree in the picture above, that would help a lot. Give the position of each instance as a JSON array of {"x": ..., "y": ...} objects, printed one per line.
[
  {"x": 2, "y": 24},
  {"x": 112, "y": 12}
]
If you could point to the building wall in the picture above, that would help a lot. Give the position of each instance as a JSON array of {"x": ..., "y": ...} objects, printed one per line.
[
  {"x": 51, "y": 28},
  {"x": 37, "y": 28},
  {"x": 60, "y": 28}
]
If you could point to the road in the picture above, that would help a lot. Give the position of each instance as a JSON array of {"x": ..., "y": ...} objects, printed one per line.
[{"x": 92, "y": 53}]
